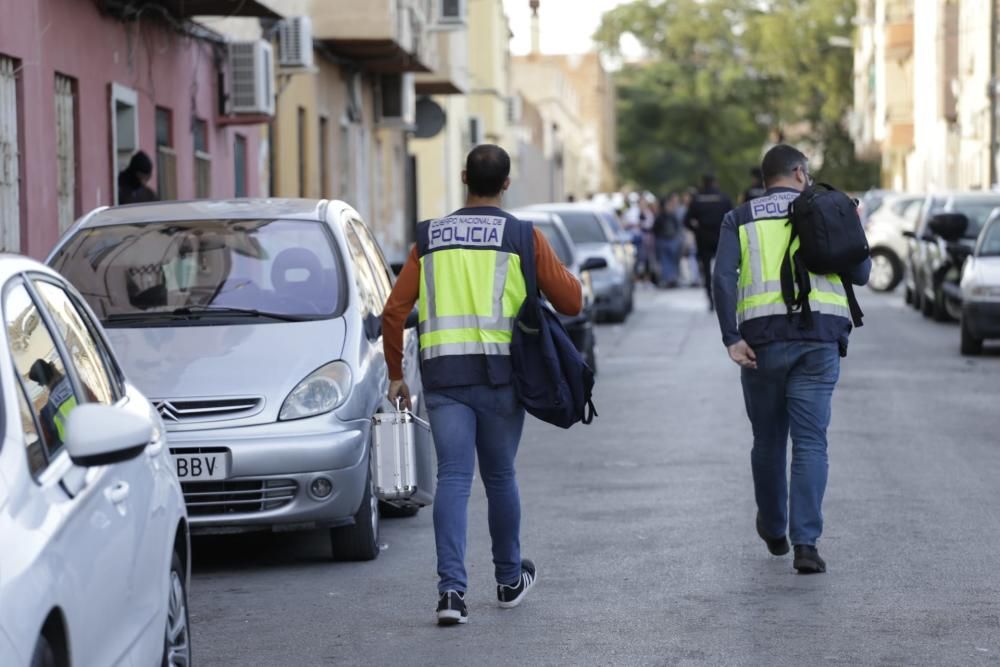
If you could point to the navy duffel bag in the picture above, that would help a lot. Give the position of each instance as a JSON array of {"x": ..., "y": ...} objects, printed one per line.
[{"x": 553, "y": 381}]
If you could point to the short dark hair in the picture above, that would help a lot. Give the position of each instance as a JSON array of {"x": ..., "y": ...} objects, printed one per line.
[
  {"x": 708, "y": 180},
  {"x": 486, "y": 170},
  {"x": 140, "y": 164},
  {"x": 782, "y": 160}
]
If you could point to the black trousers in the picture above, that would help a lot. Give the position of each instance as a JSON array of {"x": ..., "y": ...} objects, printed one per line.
[{"x": 706, "y": 255}]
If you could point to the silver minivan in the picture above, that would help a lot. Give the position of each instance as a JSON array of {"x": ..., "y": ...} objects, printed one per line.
[{"x": 254, "y": 326}]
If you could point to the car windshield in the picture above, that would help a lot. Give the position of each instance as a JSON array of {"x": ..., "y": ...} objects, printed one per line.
[
  {"x": 990, "y": 245},
  {"x": 190, "y": 271},
  {"x": 583, "y": 226},
  {"x": 613, "y": 222},
  {"x": 557, "y": 241},
  {"x": 977, "y": 210}
]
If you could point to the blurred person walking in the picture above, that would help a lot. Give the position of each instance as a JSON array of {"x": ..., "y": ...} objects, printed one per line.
[
  {"x": 756, "y": 188},
  {"x": 667, "y": 232},
  {"x": 789, "y": 365},
  {"x": 464, "y": 273},
  {"x": 704, "y": 218}
]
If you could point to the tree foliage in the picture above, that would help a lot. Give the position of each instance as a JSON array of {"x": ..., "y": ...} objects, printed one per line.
[{"x": 723, "y": 78}]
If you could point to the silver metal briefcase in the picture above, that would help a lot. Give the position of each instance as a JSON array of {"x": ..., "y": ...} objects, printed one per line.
[{"x": 403, "y": 453}]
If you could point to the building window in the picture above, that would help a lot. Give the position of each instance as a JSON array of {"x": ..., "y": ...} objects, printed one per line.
[
  {"x": 66, "y": 164},
  {"x": 475, "y": 131},
  {"x": 124, "y": 130},
  {"x": 324, "y": 157},
  {"x": 301, "y": 135},
  {"x": 202, "y": 160},
  {"x": 240, "y": 164},
  {"x": 166, "y": 157},
  {"x": 10, "y": 182}
]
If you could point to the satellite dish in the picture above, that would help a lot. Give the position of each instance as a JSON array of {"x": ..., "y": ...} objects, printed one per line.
[{"x": 430, "y": 118}]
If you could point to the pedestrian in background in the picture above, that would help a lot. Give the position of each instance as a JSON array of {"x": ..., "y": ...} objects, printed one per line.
[
  {"x": 133, "y": 180},
  {"x": 667, "y": 234},
  {"x": 704, "y": 218},
  {"x": 789, "y": 369},
  {"x": 756, "y": 188},
  {"x": 647, "y": 243},
  {"x": 461, "y": 266}
]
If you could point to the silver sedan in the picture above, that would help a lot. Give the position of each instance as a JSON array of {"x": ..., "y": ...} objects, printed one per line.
[{"x": 255, "y": 327}]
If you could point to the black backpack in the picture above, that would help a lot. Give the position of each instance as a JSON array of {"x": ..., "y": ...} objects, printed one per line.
[
  {"x": 831, "y": 241},
  {"x": 553, "y": 381}
]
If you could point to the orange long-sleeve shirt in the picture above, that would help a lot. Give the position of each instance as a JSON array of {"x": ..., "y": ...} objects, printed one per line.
[{"x": 559, "y": 286}]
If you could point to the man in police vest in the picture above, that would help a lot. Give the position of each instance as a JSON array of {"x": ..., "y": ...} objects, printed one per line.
[
  {"x": 465, "y": 275},
  {"x": 788, "y": 371}
]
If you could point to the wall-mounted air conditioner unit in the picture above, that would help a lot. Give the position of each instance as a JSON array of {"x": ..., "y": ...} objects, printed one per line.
[
  {"x": 397, "y": 100},
  {"x": 295, "y": 43},
  {"x": 251, "y": 70}
]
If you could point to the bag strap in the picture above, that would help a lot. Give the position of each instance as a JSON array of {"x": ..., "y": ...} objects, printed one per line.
[
  {"x": 857, "y": 315},
  {"x": 530, "y": 272},
  {"x": 589, "y": 412}
]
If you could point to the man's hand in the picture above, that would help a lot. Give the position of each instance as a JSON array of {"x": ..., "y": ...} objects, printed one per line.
[
  {"x": 398, "y": 389},
  {"x": 743, "y": 354}
]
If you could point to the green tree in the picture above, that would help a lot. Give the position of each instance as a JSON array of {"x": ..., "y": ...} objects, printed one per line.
[{"x": 722, "y": 78}]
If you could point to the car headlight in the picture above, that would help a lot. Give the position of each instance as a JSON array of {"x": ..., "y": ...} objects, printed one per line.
[{"x": 323, "y": 390}]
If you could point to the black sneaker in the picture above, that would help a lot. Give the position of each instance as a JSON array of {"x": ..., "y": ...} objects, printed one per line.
[
  {"x": 511, "y": 596},
  {"x": 778, "y": 546},
  {"x": 451, "y": 608},
  {"x": 807, "y": 560}
]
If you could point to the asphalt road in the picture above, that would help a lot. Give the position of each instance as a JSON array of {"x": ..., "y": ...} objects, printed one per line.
[{"x": 642, "y": 528}]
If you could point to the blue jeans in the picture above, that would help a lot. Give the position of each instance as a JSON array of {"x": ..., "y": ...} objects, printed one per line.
[
  {"x": 467, "y": 420},
  {"x": 791, "y": 391},
  {"x": 668, "y": 255}
]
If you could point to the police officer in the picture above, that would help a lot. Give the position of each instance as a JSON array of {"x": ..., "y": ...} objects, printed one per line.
[
  {"x": 789, "y": 370},
  {"x": 465, "y": 275},
  {"x": 756, "y": 188},
  {"x": 704, "y": 218}
]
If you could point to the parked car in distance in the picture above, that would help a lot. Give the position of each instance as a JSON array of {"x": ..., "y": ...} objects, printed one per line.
[
  {"x": 94, "y": 564},
  {"x": 897, "y": 214},
  {"x": 254, "y": 325},
  {"x": 981, "y": 289},
  {"x": 580, "y": 327},
  {"x": 932, "y": 272},
  {"x": 593, "y": 237}
]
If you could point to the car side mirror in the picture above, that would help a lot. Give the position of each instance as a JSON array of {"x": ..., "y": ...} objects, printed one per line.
[
  {"x": 949, "y": 226},
  {"x": 397, "y": 268},
  {"x": 98, "y": 435},
  {"x": 373, "y": 326},
  {"x": 593, "y": 263},
  {"x": 909, "y": 234},
  {"x": 413, "y": 319}
]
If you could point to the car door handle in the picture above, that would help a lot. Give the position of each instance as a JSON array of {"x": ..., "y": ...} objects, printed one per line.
[{"x": 117, "y": 493}]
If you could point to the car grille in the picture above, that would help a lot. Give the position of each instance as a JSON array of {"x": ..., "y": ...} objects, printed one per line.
[
  {"x": 238, "y": 497},
  {"x": 207, "y": 409}
]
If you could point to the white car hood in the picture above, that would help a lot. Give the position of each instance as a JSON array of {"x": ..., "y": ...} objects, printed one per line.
[
  {"x": 265, "y": 360},
  {"x": 987, "y": 271}
]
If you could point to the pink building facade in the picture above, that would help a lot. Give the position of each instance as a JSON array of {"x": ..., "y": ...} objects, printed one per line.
[{"x": 87, "y": 86}]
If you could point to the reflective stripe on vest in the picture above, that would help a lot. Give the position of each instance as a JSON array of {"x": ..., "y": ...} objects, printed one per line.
[
  {"x": 468, "y": 302},
  {"x": 763, "y": 244}
]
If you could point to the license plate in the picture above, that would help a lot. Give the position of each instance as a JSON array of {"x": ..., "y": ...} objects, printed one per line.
[{"x": 201, "y": 467}]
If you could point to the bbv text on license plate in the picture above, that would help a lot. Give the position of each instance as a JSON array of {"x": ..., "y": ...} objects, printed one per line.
[{"x": 201, "y": 467}]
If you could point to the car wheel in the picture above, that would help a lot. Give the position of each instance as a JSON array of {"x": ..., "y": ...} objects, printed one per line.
[
  {"x": 886, "y": 270},
  {"x": 939, "y": 309},
  {"x": 926, "y": 305},
  {"x": 177, "y": 641},
  {"x": 971, "y": 345},
  {"x": 393, "y": 512},
  {"x": 359, "y": 541},
  {"x": 43, "y": 655}
]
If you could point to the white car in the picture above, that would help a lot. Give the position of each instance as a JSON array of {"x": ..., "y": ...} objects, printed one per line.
[
  {"x": 94, "y": 548},
  {"x": 885, "y": 227},
  {"x": 981, "y": 289}
]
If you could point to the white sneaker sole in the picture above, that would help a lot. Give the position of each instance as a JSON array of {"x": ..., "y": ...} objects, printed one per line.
[
  {"x": 451, "y": 617},
  {"x": 520, "y": 598}
]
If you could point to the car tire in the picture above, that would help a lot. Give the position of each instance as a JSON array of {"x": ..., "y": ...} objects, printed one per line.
[
  {"x": 393, "y": 512},
  {"x": 359, "y": 541},
  {"x": 887, "y": 270},
  {"x": 908, "y": 296},
  {"x": 43, "y": 655},
  {"x": 971, "y": 346},
  {"x": 177, "y": 635},
  {"x": 939, "y": 309},
  {"x": 926, "y": 305}
]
